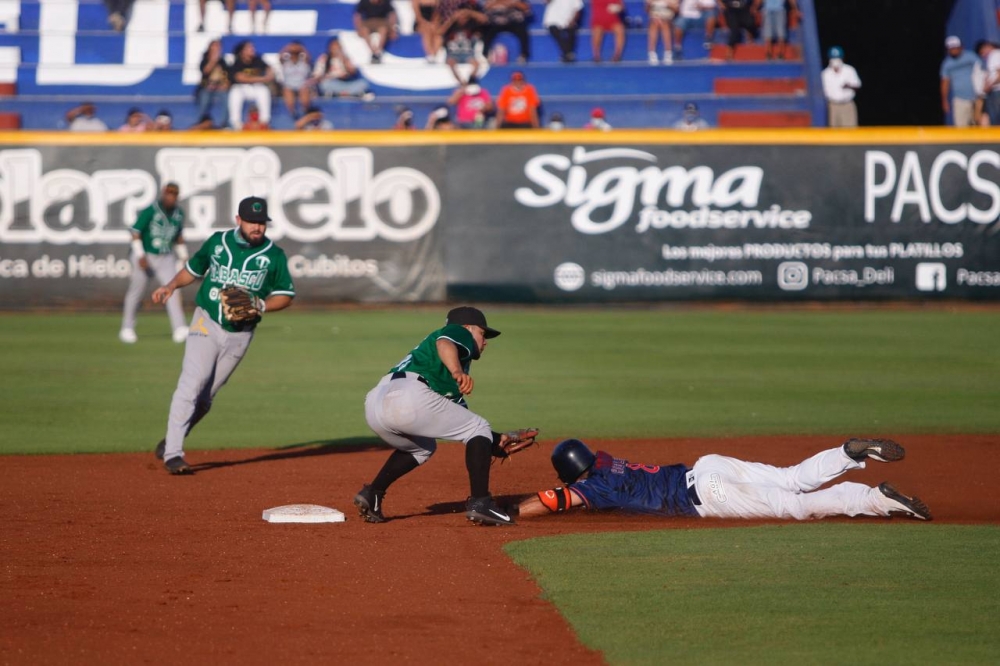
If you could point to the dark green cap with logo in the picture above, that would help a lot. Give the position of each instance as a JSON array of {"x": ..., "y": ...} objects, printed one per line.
[{"x": 253, "y": 209}]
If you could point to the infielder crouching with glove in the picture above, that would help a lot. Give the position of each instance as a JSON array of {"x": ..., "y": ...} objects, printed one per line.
[
  {"x": 422, "y": 400},
  {"x": 724, "y": 487},
  {"x": 245, "y": 275}
]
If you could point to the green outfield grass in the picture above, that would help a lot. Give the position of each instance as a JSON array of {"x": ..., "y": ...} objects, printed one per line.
[
  {"x": 68, "y": 385},
  {"x": 794, "y": 594}
]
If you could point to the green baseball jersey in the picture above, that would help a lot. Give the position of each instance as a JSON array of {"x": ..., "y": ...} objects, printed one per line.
[
  {"x": 158, "y": 230},
  {"x": 424, "y": 360},
  {"x": 227, "y": 260}
]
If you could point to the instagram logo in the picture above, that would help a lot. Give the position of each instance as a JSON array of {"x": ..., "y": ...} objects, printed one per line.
[{"x": 793, "y": 276}]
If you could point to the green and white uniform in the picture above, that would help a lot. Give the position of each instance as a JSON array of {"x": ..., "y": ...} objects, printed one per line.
[
  {"x": 214, "y": 346},
  {"x": 418, "y": 402},
  {"x": 158, "y": 231}
]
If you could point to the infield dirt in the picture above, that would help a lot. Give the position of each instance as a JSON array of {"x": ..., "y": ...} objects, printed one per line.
[{"x": 108, "y": 559}]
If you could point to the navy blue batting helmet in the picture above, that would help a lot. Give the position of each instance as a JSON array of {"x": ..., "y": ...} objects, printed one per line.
[{"x": 572, "y": 459}]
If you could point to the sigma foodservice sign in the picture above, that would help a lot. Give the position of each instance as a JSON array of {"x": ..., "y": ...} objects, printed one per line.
[{"x": 736, "y": 221}]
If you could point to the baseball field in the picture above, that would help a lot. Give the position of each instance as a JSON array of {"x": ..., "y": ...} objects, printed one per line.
[{"x": 108, "y": 559}]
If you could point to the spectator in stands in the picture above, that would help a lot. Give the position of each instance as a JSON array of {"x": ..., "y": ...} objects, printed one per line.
[
  {"x": 607, "y": 15},
  {"x": 375, "y": 22},
  {"x": 252, "y": 5},
  {"x": 775, "y": 20},
  {"x": 691, "y": 120},
  {"x": 423, "y": 24},
  {"x": 508, "y": 16},
  {"x": 990, "y": 54},
  {"x": 979, "y": 117},
  {"x": 957, "y": 93},
  {"x": 296, "y": 77},
  {"x": 739, "y": 18},
  {"x": 695, "y": 13},
  {"x": 661, "y": 26},
  {"x": 205, "y": 122},
  {"x": 313, "y": 119},
  {"x": 251, "y": 79},
  {"x": 462, "y": 34},
  {"x": 135, "y": 121},
  {"x": 840, "y": 83},
  {"x": 336, "y": 75},
  {"x": 562, "y": 18},
  {"x": 598, "y": 121},
  {"x": 404, "y": 118},
  {"x": 230, "y": 9},
  {"x": 214, "y": 85},
  {"x": 118, "y": 11},
  {"x": 556, "y": 122},
  {"x": 439, "y": 119},
  {"x": 254, "y": 121},
  {"x": 163, "y": 122},
  {"x": 517, "y": 105},
  {"x": 83, "y": 118},
  {"x": 473, "y": 106}
]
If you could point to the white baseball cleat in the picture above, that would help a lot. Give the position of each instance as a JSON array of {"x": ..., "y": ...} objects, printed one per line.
[
  {"x": 180, "y": 334},
  {"x": 128, "y": 336}
]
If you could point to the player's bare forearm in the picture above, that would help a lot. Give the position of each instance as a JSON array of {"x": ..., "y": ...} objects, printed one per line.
[
  {"x": 181, "y": 280},
  {"x": 532, "y": 508},
  {"x": 278, "y": 302},
  {"x": 448, "y": 353}
]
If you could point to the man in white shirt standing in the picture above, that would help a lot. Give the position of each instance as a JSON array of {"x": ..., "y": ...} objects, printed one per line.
[
  {"x": 991, "y": 86},
  {"x": 840, "y": 81}
]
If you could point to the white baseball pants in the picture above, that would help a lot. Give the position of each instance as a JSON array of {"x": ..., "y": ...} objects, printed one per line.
[{"x": 732, "y": 488}]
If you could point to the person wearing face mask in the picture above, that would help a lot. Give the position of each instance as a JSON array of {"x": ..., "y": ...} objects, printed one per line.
[
  {"x": 957, "y": 94},
  {"x": 840, "y": 83}
]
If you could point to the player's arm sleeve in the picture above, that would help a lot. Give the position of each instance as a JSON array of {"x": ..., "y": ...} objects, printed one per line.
[
  {"x": 199, "y": 262},
  {"x": 281, "y": 283},
  {"x": 462, "y": 339},
  {"x": 142, "y": 221}
]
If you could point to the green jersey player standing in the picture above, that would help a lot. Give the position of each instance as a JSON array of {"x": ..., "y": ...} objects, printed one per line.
[
  {"x": 244, "y": 257},
  {"x": 157, "y": 247}
]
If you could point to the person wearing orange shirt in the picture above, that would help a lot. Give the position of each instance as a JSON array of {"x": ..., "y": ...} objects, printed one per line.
[{"x": 517, "y": 105}]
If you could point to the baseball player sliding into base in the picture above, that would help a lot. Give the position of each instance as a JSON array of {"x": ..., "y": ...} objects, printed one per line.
[
  {"x": 157, "y": 238},
  {"x": 723, "y": 487},
  {"x": 421, "y": 400},
  {"x": 244, "y": 275}
]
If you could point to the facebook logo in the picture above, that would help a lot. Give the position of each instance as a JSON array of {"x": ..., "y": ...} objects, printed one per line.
[{"x": 932, "y": 277}]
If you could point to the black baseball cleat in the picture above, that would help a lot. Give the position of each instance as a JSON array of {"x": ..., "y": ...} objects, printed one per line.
[
  {"x": 882, "y": 450},
  {"x": 904, "y": 504},
  {"x": 484, "y": 511},
  {"x": 160, "y": 448},
  {"x": 369, "y": 505},
  {"x": 178, "y": 466}
]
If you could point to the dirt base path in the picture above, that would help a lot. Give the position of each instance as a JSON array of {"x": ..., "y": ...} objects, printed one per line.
[{"x": 107, "y": 559}]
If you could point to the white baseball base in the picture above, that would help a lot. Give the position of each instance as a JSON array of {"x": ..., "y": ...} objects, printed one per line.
[{"x": 303, "y": 513}]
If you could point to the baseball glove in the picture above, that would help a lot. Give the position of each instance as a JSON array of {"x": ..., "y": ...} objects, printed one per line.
[
  {"x": 239, "y": 306},
  {"x": 515, "y": 441}
]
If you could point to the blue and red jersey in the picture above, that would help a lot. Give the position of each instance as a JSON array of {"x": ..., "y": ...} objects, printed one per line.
[{"x": 615, "y": 483}]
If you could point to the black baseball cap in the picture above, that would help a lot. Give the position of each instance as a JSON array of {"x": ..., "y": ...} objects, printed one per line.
[
  {"x": 253, "y": 209},
  {"x": 466, "y": 315}
]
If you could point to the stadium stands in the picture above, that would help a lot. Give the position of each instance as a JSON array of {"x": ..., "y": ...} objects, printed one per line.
[{"x": 56, "y": 53}]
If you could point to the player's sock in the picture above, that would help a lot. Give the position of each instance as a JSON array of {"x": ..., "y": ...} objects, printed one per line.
[
  {"x": 478, "y": 455},
  {"x": 398, "y": 464}
]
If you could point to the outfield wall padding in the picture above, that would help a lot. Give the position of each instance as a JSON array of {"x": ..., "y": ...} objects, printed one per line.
[{"x": 526, "y": 216}]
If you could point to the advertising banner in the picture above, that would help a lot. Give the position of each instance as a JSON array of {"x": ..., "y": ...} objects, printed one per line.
[
  {"x": 356, "y": 223},
  {"x": 574, "y": 220},
  {"x": 750, "y": 222}
]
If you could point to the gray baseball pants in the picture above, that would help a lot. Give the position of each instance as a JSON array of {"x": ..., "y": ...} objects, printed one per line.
[
  {"x": 164, "y": 268},
  {"x": 409, "y": 416},
  {"x": 211, "y": 355}
]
